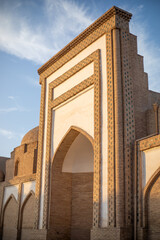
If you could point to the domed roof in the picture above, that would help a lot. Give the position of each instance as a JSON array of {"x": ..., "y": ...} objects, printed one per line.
[
  {"x": 31, "y": 136},
  {"x": 1, "y": 176}
]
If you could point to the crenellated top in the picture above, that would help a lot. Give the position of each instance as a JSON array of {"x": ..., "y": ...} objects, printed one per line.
[{"x": 106, "y": 16}]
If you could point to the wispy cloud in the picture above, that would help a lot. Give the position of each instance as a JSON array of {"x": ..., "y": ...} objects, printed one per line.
[
  {"x": 10, "y": 134},
  {"x": 11, "y": 97},
  {"x": 69, "y": 16},
  {"x": 16, "y": 108},
  {"x": 7, "y": 134},
  {"x": 21, "y": 41},
  {"x": 36, "y": 42},
  {"x": 8, "y": 110},
  {"x": 62, "y": 21}
]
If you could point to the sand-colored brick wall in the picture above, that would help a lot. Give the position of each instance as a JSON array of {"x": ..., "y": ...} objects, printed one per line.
[
  {"x": 151, "y": 126},
  {"x": 10, "y": 220},
  {"x": 82, "y": 205},
  {"x": 71, "y": 208},
  {"x": 153, "y": 97},
  {"x": 25, "y": 155},
  {"x": 3, "y": 164},
  {"x": 140, "y": 88},
  {"x": 60, "y": 206},
  {"x": 9, "y": 169},
  {"x": 154, "y": 211},
  {"x": 28, "y": 212}
]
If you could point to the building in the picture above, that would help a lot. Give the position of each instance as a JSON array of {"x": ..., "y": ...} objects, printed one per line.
[{"x": 92, "y": 168}]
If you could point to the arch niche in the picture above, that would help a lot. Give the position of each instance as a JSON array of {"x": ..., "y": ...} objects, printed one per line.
[
  {"x": 27, "y": 212},
  {"x": 27, "y": 216},
  {"x": 71, "y": 202},
  {"x": 152, "y": 206},
  {"x": 10, "y": 218}
]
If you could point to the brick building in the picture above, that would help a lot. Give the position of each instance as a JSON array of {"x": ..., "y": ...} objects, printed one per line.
[{"x": 91, "y": 170}]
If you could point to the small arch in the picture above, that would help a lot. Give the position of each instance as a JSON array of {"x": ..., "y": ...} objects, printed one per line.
[
  {"x": 72, "y": 133},
  {"x": 35, "y": 160},
  {"x": 10, "y": 232},
  {"x": 16, "y": 169},
  {"x": 29, "y": 195},
  {"x": 146, "y": 192},
  {"x": 151, "y": 181},
  {"x": 7, "y": 202}
]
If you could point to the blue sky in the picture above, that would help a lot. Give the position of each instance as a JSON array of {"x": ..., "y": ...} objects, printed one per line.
[{"x": 32, "y": 31}]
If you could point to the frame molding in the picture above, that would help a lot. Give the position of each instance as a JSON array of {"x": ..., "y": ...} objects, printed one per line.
[{"x": 93, "y": 80}]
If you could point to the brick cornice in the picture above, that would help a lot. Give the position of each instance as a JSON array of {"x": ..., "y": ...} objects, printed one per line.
[{"x": 111, "y": 12}]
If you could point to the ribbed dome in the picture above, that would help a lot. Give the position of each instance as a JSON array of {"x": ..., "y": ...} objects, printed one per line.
[
  {"x": 1, "y": 176},
  {"x": 31, "y": 136}
]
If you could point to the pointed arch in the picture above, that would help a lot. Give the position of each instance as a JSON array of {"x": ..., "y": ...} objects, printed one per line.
[
  {"x": 151, "y": 181},
  {"x": 146, "y": 192},
  {"x": 5, "y": 205},
  {"x": 77, "y": 187},
  {"x": 10, "y": 218},
  {"x": 27, "y": 197},
  {"x": 70, "y": 136},
  {"x": 29, "y": 213}
]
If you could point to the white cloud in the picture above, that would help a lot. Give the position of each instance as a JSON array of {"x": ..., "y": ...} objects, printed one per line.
[
  {"x": 17, "y": 108},
  {"x": 10, "y": 134},
  {"x": 7, "y": 110},
  {"x": 7, "y": 134},
  {"x": 21, "y": 41},
  {"x": 11, "y": 97},
  {"x": 64, "y": 19},
  {"x": 69, "y": 17}
]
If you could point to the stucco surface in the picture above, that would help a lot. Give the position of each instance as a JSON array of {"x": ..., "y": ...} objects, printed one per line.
[
  {"x": 150, "y": 163},
  {"x": 26, "y": 188},
  {"x": 74, "y": 80},
  {"x": 10, "y": 190}
]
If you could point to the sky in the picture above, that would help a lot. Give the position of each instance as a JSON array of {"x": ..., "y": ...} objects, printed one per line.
[{"x": 32, "y": 31}]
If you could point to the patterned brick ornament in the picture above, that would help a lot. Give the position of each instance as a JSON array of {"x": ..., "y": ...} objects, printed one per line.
[
  {"x": 129, "y": 125},
  {"x": 111, "y": 163},
  {"x": 40, "y": 153},
  {"x": 102, "y": 26},
  {"x": 93, "y": 80}
]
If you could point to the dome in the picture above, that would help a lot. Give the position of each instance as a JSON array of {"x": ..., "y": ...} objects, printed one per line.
[
  {"x": 31, "y": 136},
  {"x": 1, "y": 176}
]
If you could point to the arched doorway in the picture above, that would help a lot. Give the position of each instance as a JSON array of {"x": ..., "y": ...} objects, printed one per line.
[
  {"x": 153, "y": 209},
  {"x": 71, "y": 206}
]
